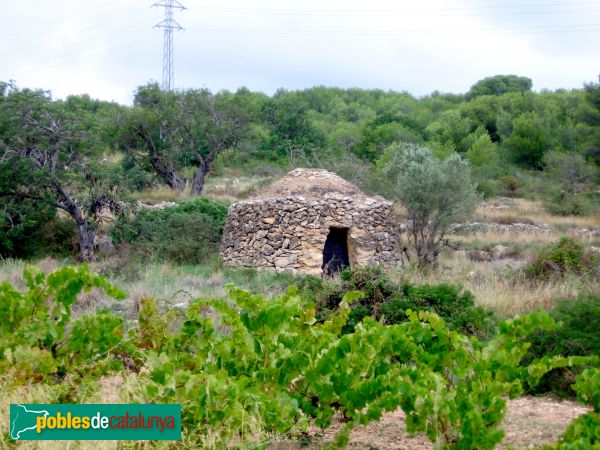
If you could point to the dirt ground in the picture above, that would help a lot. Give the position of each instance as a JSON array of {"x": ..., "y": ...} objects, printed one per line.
[{"x": 529, "y": 423}]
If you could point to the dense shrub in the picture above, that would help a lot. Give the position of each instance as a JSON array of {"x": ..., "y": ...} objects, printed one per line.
[
  {"x": 565, "y": 204},
  {"x": 565, "y": 256},
  {"x": 386, "y": 300},
  {"x": 137, "y": 179},
  {"x": 187, "y": 233},
  {"x": 578, "y": 333},
  {"x": 30, "y": 236},
  {"x": 58, "y": 237},
  {"x": 489, "y": 188},
  {"x": 510, "y": 184},
  {"x": 457, "y": 307}
]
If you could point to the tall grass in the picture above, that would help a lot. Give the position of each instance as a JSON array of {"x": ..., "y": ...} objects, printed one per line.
[
  {"x": 528, "y": 211},
  {"x": 226, "y": 188},
  {"x": 506, "y": 291}
]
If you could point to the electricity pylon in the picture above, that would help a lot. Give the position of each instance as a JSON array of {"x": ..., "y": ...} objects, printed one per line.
[{"x": 168, "y": 24}]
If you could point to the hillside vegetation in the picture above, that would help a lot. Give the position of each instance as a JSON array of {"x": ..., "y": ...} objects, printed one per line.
[
  {"x": 122, "y": 208},
  {"x": 85, "y": 157}
]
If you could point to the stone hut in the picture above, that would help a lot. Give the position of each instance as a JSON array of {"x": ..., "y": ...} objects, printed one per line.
[{"x": 311, "y": 221}]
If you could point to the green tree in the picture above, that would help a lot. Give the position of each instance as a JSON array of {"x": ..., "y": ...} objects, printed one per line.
[
  {"x": 434, "y": 192},
  {"x": 591, "y": 130},
  {"x": 291, "y": 131},
  {"x": 169, "y": 131},
  {"x": 499, "y": 85},
  {"x": 451, "y": 129},
  {"x": 570, "y": 172},
  {"x": 57, "y": 161},
  {"x": 379, "y": 133},
  {"x": 483, "y": 111},
  {"x": 483, "y": 155},
  {"x": 528, "y": 141}
]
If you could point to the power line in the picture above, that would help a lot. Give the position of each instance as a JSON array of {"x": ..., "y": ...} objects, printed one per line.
[
  {"x": 81, "y": 46},
  {"x": 93, "y": 19},
  {"x": 74, "y": 57},
  {"x": 424, "y": 9},
  {"x": 536, "y": 8},
  {"x": 168, "y": 24},
  {"x": 547, "y": 29}
]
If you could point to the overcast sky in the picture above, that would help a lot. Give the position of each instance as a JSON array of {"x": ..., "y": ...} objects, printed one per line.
[{"x": 107, "y": 48}]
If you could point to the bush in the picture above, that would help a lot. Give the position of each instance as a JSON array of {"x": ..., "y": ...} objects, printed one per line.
[
  {"x": 455, "y": 306},
  {"x": 187, "y": 233},
  {"x": 578, "y": 333},
  {"x": 40, "y": 341},
  {"x": 489, "y": 188},
  {"x": 584, "y": 432},
  {"x": 33, "y": 237},
  {"x": 564, "y": 204},
  {"x": 510, "y": 184},
  {"x": 137, "y": 179},
  {"x": 384, "y": 299},
  {"x": 58, "y": 237},
  {"x": 565, "y": 256},
  {"x": 32, "y": 228}
]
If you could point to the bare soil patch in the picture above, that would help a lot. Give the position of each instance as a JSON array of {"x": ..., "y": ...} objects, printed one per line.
[{"x": 529, "y": 423}]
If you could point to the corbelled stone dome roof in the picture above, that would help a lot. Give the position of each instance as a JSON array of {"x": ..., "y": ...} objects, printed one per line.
[
  {"x": 310, "y": 183},
  {"x": 298, "y": 221}
]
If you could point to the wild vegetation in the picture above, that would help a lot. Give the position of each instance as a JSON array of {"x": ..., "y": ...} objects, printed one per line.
[
  {"x": 497, "y": 199},
  {"x": 270, "y": 365}
]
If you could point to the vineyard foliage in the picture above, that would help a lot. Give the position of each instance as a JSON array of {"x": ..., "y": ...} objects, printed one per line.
[
  {"x": 584, "y": 432},
  {"x": 40, "y": 342},
  {"x": 247, "y": 365}
]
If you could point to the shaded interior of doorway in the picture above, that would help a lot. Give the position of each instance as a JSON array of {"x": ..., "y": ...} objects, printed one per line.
[{"x": 335, "y": 252}]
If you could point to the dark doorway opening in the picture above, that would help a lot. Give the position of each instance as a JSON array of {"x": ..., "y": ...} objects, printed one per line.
[{"x": 335, "y": 253}]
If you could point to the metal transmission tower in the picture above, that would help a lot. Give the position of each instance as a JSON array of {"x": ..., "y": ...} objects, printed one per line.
[{"x": 169, "y": 24}]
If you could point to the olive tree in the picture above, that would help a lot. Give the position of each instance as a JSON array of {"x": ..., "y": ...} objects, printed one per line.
[{"x": 434, "y": 192}]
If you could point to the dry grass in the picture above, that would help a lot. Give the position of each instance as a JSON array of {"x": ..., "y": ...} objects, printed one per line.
[
  {"x": 105, "y": 391},
  {"x": 507, "y": 292},
  {"x": 226, "y": 188},
  {"x": 528, "y": 211},
  {"x": 510, "y": 297},
  {"x": 171, "y": 285},
  {"x": 161, "y": 194},
  {"x": 232, "y": 189},
  {"x": 496, "y": 237},
  {"x": 174, "y": 284},
  {"x": 11, "y": 270},
  {"x": 504, "y": 290}
]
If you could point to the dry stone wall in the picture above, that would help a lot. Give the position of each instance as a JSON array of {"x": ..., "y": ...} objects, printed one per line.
[{"x": 289, "y": 233}]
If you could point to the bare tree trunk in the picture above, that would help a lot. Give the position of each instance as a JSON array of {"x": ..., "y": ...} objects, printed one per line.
[
  {"x": 204, "y": 166},
  {"x": 84, "y": 229},
  {"x": 167, "y": 173},
  {"x": 198, "y": 183},
  {"x": 86, "y": 241},
  {"x": 163, "y": 169}
]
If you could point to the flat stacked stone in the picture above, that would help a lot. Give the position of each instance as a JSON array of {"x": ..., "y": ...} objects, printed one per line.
[{"x": 286, "y": 226}]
